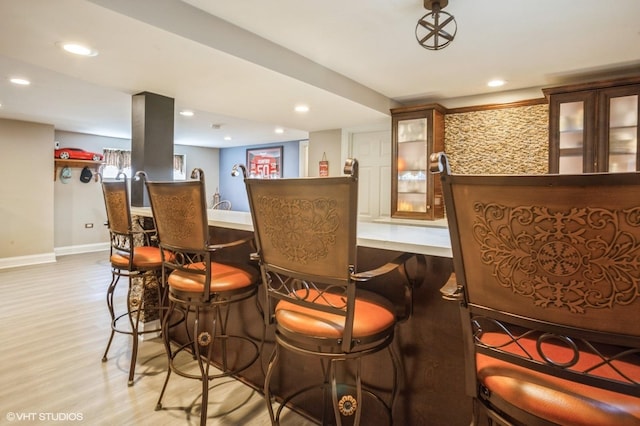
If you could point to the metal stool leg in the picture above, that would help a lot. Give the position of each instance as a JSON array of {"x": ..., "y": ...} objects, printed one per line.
[
  {"x": 110, "y": 290},
  {"x": 204, "y": 339},
  {"x": 267, "y": 380},
  {"x": 135, "y": 323},
  {"x": 167, "y": 344}
]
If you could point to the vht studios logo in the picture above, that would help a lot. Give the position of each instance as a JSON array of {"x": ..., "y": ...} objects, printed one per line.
[{"x": 44, "y": 417}]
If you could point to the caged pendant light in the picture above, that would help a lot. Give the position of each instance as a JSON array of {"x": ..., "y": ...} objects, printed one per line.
[{"x": 436, "y": 29}]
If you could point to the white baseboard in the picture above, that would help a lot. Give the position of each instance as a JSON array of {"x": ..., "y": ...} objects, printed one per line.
[
  {"x": 85, "y": 248},
  {"x": 34, "y": 259}
]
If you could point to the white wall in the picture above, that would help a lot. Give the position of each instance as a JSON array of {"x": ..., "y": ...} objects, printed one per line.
[{"x": 26, "y": 193}]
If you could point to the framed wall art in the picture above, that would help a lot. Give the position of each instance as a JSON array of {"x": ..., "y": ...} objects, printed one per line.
[{"x": 265, "y": 163}]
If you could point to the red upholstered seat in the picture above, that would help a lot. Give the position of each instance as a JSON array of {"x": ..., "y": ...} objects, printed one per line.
[
  {"x": 143, "y": 257},
  {"x": 370, "y": 318},
  {"x": 132, "y": 256},
  {"x": 223, "y": 278},
  {"x": 548, "y": 280},
  {"x": 555, "y": 399},
  {"x": 306, "y": 246},
  {"x": 206, "y": 291}
]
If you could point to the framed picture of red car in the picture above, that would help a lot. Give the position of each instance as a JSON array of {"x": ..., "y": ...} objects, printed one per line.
[{"x": 264, "y": 163}]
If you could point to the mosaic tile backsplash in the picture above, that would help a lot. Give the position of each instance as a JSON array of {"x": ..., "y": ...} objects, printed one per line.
[{"x": 500, "y": 141}]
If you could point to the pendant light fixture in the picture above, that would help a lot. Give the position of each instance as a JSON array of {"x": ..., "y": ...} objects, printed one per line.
[{"x": 436, "y": 29}]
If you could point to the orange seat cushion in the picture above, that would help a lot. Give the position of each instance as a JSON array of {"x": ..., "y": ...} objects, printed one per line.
[
  {"x": 370, "y": 317},
  {"x": 554, "y": 399},
  {"x": 145, "y": 257},
  {"x": 223, "y": 278}
]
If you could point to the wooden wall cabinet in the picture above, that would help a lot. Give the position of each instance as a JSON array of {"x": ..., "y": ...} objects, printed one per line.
[
  {"x": 416, "y": 132},
  {"x": 593, "y": 127}
]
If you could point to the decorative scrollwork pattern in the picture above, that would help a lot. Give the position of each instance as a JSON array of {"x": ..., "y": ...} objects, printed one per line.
[
  {"x": 302, "y": 230},
  {"x": 116, "y": 202},
  {"x": 180, "y": 213},
  {"x": 575, "y": 259}
]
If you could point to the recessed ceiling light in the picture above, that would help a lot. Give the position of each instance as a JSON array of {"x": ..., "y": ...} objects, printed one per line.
[
  {"x": 496, "y": 83},
  {"x": 186, "y": 113},
  {"x": 301, "y": 108},
  {"x": 78, "y": 49},
  {"x": 20, "y": 81},
  {"x": 227, "y": 138},
  {"x": 279, "y": 130}
]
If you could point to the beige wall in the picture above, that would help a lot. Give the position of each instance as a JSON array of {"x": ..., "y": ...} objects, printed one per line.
[
  {"x": 26, "y": 192},
  {"x": 207, "y": 159},
  {"x": 329, "y": 142},
  {"x": 77, "y": 203},
  {"x": 41, "y": 217}
]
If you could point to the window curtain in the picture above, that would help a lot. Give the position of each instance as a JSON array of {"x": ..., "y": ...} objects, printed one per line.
[
  {"x": 119, "y": 158},
  {"x": 178, "y": 162}
]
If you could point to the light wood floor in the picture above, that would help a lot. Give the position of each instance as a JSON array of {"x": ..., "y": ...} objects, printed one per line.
[{"x": 54, "y": 326}]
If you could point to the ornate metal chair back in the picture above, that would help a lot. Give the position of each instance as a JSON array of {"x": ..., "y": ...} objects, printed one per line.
[
  {"x": 305, "y": 230},
  {"x": 548, "y": 269},
  {"x": 180, "y": 214}
]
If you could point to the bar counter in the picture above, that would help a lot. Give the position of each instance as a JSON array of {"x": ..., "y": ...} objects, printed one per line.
[
  {"x": 427, "y": 239},
  {"x": 430, "y": 345}
]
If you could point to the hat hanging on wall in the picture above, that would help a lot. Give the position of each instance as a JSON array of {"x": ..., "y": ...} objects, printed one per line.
[
  {"x": 65, "y": 175},
  {"x": 86, "y": 175}
]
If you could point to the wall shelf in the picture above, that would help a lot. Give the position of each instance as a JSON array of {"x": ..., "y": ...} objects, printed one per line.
[{"x": 93, "y": 165}]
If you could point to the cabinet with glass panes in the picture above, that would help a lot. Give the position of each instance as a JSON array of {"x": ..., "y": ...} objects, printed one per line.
[
  {"x": 593, "y": 127},
  {"x": 417, "y": 131}
]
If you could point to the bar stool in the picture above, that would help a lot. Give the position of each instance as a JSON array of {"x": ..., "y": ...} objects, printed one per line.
[
  {"x": 305, "y": 231},
  {"x": 133, "y": 256},
  {"x": 199, "y": 284}
]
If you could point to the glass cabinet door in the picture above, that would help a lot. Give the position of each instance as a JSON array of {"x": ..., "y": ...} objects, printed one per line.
[
  {"x": 417, "y": 131},
  {"x": 412, "y": 165},
  {"x": 571, "y": 139},
  {"x": 572, "y": 127},
  {"x": 594, "y": 127},
  {"x": 622, "y": 133}
]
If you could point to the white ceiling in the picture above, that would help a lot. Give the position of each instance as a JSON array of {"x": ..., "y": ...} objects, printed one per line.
[{"x": 245, "y": 64}]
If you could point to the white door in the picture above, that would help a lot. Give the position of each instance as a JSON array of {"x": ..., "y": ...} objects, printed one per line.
[{"x": 373, "y": 152}]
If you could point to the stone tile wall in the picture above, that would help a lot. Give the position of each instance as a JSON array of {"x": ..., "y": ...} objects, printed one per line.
[{"x": 513, "y": 140}]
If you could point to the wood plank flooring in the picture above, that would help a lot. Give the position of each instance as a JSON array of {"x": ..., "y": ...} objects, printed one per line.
[{"x": 54, "y": 326}]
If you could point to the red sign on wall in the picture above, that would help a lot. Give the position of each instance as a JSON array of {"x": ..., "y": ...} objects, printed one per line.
[{"x": 324, "y": 166}]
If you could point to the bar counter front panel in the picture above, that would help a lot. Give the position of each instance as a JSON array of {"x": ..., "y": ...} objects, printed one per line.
[{"x": 429, "y": 344}]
